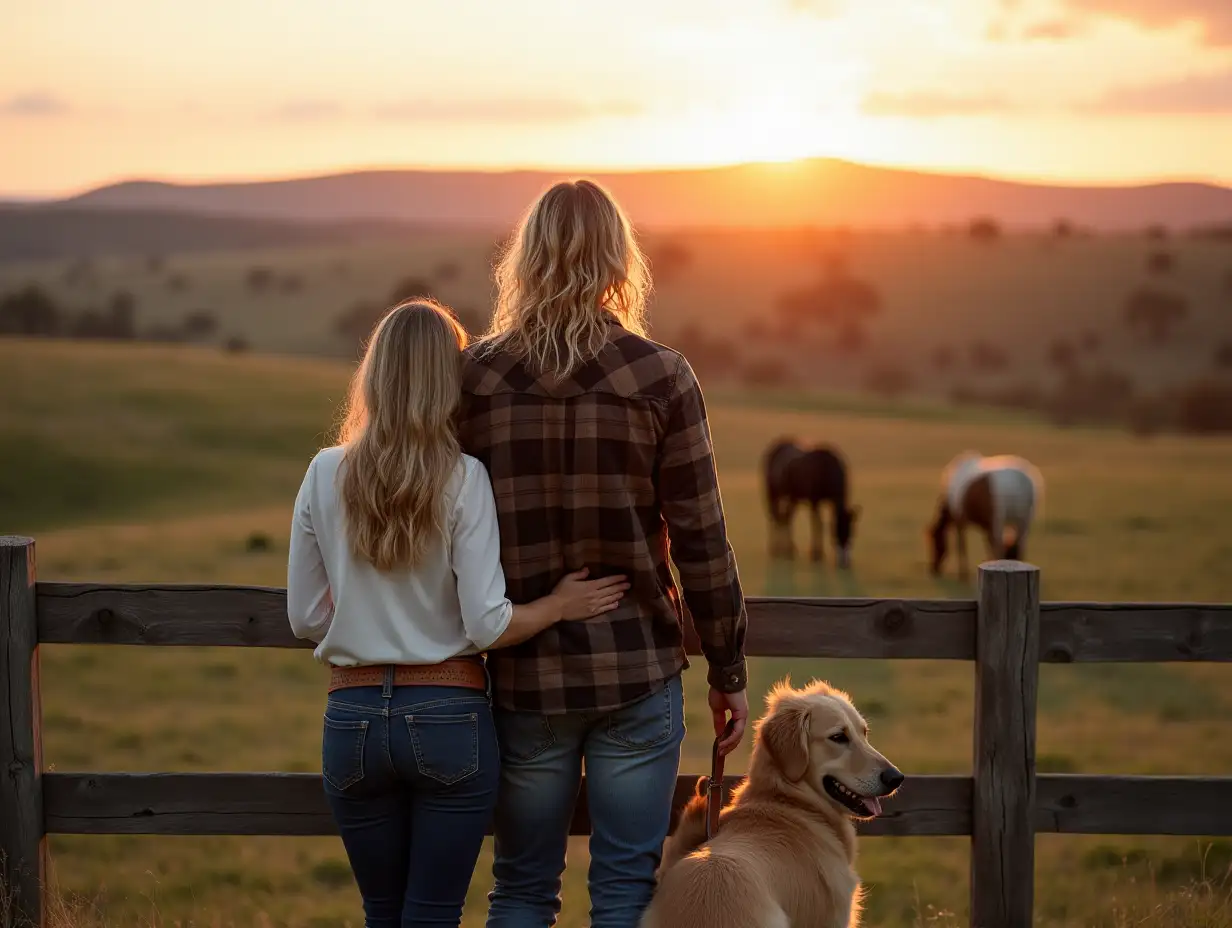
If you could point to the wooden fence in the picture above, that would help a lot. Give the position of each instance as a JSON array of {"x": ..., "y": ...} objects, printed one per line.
[{"x": 1006, "y": 632}]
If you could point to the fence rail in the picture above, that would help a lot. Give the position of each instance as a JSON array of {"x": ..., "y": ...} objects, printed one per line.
[{"x": 1006, "y": 632}]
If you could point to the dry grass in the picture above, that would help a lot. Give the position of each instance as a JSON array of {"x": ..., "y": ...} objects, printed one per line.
[{"x": 1124, "y": 520}]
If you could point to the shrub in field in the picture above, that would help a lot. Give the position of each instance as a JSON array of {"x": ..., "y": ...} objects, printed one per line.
[
  {"x": 988, "y": 358},
  {"x": 984, "y": 229},
  {"x": 668, "y": 260},
  {"x": 1161, "y": 263},
  {"x": 1223, "y": 355},
  {"x": 839, "y": 299},
  {"x": 1204, "y": 406},
  {"x": 1153, "y": 314},
  {"x": 235, "y": 344},
  {"x": 410, "y": 288},
  {"x": 179, "y": 282},
  {"x": 447, "y": 271},
  {"x": 199, "y": 324},
  {"x": 1097, "y": 396},
  {"x": 30, "y": 311},
  {"x": 1061, "y": 354},
  {"x": 890, "y": 380},
  {"x": 943, "y": 357},
  {"x": 766, "y": 372},
  {"x": 1062, "y": 229},
  {"x": 259, "y": 279},
  {"x": 356, "y": 322}
]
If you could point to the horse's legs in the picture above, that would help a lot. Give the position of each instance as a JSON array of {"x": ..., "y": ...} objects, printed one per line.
[
  {"x": 781, "y": 510},
  {"x": 816, "y": 552},
  {"x": 960, "y": 532}
]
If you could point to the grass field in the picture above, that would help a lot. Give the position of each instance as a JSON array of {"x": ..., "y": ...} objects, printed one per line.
[
  {"x": 159, "y": 464},
  {"x": 937, "y": 290}
]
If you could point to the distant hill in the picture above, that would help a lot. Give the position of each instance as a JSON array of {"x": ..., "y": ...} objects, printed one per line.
[
  {"x": 35, "y": 232},
  {"x": 814, "y": 192}
]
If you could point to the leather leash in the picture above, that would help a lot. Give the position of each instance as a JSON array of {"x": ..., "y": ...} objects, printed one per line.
[{"x": 714, "y": 786}]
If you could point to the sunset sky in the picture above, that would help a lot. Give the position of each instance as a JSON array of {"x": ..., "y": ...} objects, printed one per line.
[{"x": 93, "y": 91}]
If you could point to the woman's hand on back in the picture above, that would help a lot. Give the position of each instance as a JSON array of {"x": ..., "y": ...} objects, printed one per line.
[{"x": 582, "y": 599}]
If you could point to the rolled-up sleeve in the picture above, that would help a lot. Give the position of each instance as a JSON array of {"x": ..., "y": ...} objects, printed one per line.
[
  {"x": 310, "y": 607},
  {"x": 697, "y": 534},
  {"x": 475, "y": 554}
]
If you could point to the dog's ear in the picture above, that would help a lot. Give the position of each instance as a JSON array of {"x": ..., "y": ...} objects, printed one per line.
[{"x": 785, "y": 736}]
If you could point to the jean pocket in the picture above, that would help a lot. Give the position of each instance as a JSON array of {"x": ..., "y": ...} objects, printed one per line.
[
  {"x": 522, "y": 736},
  {"x": 342, "y": 752},
  {"x": 446, "y": 746},
  {"x": 646, "y": 723}
]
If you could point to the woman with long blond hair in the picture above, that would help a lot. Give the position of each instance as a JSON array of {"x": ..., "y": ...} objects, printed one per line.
[
  {"x": 597, "y": 444},
  {"x": 394, "y": 572}
]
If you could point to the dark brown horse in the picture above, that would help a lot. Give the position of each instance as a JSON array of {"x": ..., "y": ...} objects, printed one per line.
[{"x": 813, "y": 476}]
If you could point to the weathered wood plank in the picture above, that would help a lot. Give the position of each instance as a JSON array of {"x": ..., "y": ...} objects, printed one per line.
[
  {"x": 1003, "y": 795},
  {"x": 87, "y": 613},
  {"x": 1135, "y": 632},
  {"x": 293, "y": 804},
  {"x": 228, "y": 616},
  {"x": 1134, "y": 805},
  {"x": 23, "y": 850}
]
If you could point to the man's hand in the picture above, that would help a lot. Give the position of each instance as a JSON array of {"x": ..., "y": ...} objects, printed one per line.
[{"x": 720, "y": 705}]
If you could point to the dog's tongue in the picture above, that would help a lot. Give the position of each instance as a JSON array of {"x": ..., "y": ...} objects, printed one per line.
[{"x": 872, "y": 804}]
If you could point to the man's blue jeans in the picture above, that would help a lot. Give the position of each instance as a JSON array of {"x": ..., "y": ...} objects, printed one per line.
[
  {"x": 632, "y": 757},
  {"x": 411, "y": 776}
]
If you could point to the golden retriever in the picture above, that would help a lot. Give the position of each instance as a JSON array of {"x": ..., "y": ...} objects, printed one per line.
[{"x": 784, "y": 855}]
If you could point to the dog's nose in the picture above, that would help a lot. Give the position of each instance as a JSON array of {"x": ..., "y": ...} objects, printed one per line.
[{"x": 892, "y": 778}]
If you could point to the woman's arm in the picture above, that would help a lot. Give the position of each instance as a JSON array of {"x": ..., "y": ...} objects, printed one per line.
[
  {"x": 310, "y": 607},
  {"x": 490, "y": 619}
]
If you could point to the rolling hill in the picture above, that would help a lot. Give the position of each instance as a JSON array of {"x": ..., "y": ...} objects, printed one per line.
[{"x": 813, "y": 192}]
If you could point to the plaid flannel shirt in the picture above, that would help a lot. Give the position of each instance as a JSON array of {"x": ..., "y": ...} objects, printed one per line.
[{"x": 606, "y": 469}]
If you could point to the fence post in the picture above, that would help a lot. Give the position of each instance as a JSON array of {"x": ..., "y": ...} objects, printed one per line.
[
  {"x": 1003, "y": 801},
  {"x": 23, "y": 847}
]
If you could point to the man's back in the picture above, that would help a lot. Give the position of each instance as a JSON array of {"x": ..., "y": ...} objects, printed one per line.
[{"x": 597, "y": 470}]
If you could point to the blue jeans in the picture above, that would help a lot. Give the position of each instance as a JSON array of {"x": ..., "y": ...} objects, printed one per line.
[
  {"x": 632, "y": 757},
  {"x": 411, "y": 776}
]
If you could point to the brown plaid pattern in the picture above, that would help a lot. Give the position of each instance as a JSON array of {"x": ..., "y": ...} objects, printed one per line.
[{"x": 605, "y": 469}]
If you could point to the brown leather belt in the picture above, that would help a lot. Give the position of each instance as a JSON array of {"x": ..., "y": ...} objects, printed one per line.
[{"x": 458, "y": 671}]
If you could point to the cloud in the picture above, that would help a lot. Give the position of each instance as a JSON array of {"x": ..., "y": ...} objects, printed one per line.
[
  {"x": 508, "y": 110},
  {"x": 1214, "y": 16},
  {"x": 827, "y": 9},
  {"x": 309, "y": 111},
  {"x": 33, "y": 104},
  {"x": 1052, "y": 30},
  {"x": 931, "y": 104},
  {"x": 1206, "y": 93}
]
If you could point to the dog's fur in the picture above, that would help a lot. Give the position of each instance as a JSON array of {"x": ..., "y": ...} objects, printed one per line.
[{"x": 784, "y": 855}]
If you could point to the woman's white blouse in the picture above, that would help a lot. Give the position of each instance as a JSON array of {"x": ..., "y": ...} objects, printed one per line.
[{"x": 452, "y": 603}]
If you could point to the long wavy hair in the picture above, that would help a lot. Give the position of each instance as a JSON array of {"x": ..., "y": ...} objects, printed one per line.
[
  {"x": 572, "y": 259},
  {"x": 398, "y": 435}
]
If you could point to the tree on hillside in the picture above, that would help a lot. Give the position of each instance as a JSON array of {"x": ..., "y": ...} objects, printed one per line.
[
  {"x": 356, "y": 322},
  {"x": 668, "y": 260},
  {"x": 1160, "y": 263},
  {"x": 988, "y": 358},
  {"x": 1062, "y": 229},
  {"x": 839, "y": 301},
  {"x": 410, "y": 288},
  {"x": 1061, "y": 354},
  {"x": 200, "y": 324},
  {"x": 984, "y": 229},
  {"x": 943, "y": 357},
  {"x": 30, "y": 311},
  {"x": 1153, "y": 314}
]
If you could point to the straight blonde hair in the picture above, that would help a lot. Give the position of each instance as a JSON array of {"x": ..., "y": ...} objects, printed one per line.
[
  {"x": 572, "y": 260},
  {"x": 398, "y": 435}
]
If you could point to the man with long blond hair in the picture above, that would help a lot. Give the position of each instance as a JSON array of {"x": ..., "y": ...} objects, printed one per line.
[{"x": 599, "y": 452}]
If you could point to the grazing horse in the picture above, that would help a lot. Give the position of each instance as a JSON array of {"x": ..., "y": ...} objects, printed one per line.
[
  {"x": 997, "y": 494},
  {"x": 814, "y": 476}
]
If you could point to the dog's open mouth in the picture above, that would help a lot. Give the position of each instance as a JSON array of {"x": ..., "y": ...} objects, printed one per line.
[{"x": 857, "y": 805}]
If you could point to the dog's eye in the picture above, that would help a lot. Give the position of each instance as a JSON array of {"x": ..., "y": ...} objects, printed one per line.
[{"x": 839, "y": 737}]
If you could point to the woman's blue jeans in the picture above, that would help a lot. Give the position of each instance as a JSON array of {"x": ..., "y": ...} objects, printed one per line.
[{"x": 411, "y": 776}]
